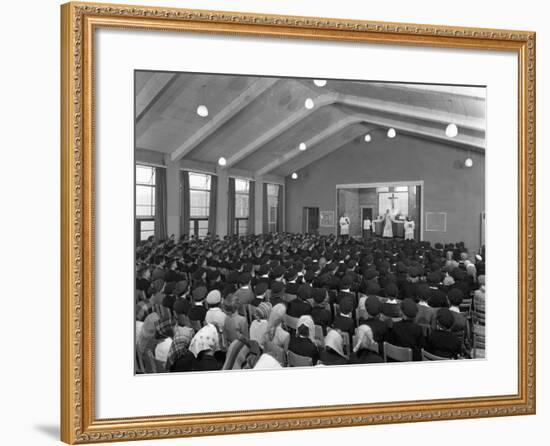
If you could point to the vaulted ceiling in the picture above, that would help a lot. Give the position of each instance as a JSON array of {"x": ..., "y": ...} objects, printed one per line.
[{"x": 257, "y": 123}]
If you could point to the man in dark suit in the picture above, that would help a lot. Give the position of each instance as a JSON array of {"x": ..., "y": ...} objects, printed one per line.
[
  {"x": 320, "y": 313},
  {"x": 300, "y": 306},
  {"x": 407, "y": 333},
  {"x": 442, "y": 341},
  {"x": 343, "y": 321},
  {"x": 302, "y": 345},
  {"x": 379, "y": 327},
  {"x": 437, "y": 298},
  {"x": 426, "y": 314}
]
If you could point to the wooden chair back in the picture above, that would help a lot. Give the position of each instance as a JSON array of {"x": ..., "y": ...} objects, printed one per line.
[
  {"x": 294, "y": 360},
  {"x": 427, "y": 356},
  {"x": 397, "y": 353}
]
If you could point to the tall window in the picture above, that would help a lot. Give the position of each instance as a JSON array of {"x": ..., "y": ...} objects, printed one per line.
[
  {"x": 242, "y": 188},
  {"x": 145, "y": 202},
  {"x": 199, "y": 203},
  {"x": 272, "y": 206}
]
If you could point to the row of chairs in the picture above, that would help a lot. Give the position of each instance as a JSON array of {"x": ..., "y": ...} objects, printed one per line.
[{"x": 391, "y": 352}]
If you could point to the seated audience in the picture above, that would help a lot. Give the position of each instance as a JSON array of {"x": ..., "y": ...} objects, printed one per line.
[
  {"x": 333, "y": 351},
  {"x": 235, "y": 324},
  {"x": 407, "y": 333},
  {"x": 258, "y": 327},
  {"x": 303, "y": 342},
  {"x": 443, "y": 341},
  {"x": 363, "y": 350},
  {"x": 205, "y": 346},
  {"x": 180, "y": 359},
  {"x": 320, "y": 314},
  {"x": 240, "y": 288}
]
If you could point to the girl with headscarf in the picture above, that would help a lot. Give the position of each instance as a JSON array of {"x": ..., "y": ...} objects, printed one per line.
[
  {"x": 267, "y": 361},
  {"x": 180, "y": 359},
  {"x": 204, "y": 346},
  {"x": 303, "y": 342},
  {"x": 258, "y": 327},
  {"x": 276, "y": 339},
  {"x": 363, "y": 349},
  {"x": 333, "y": 352},
  {"x": 146, "y": 339}
]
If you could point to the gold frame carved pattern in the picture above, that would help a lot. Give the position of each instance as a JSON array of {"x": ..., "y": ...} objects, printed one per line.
[{"x": 78, "y": 424}]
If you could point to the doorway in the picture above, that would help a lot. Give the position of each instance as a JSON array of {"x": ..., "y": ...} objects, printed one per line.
[
  {"x": 310, "y": 220},
  {"x": 366, "y": 214}
]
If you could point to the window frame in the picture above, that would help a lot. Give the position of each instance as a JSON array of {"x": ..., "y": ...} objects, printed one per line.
[{"x": 152, "y": 186}]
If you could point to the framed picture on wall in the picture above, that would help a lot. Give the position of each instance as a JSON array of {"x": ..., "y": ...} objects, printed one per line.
[
  {"x": 195, "y": 247},
  {"x": 327, "y": 219}
]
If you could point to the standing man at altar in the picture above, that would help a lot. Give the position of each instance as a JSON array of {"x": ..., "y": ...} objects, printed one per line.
[
  {"x": 388, "y": 220},
  {"x": 409, "y": 229},
  {"x": 344, "y": 226}
]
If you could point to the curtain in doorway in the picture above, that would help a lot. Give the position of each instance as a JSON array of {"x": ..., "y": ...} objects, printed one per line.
[
  {"x": 213, "y": 204},
  {"x": 280, "y": 204},
  {"x": 265, "y": 210},
  {"x": 231, "y": 207},
  {"x": 251, "y": 207},
  {"x": 184, "y": 203},
  {"x": 160, "y": 204}
]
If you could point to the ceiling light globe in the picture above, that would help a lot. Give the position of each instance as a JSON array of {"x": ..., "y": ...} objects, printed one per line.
[
  {"x": 222, "y": 161},
  {"x": 469, "y": 162},
  {"x": 302, "y": 147},
  {"x": 319, "y": 82},
  {"x": 368, "y": 138},
  {"x": 391, "y": 132},
  {"x": 309, "y": 103},
  {"x": 451, "y": 131},
  {"x": 202, "y": 111},
  {"x": 294, "y": 176}
]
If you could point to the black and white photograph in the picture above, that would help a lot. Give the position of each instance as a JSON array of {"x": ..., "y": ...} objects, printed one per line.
[{"x": 294, "y": 222}]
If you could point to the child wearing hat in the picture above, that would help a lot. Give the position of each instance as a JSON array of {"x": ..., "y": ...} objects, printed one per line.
[
  {"x": 300, "y": 306},
  {"x": 443, "y": 341},
  {"x": 343, "y": 321},
  {"x": 258, "y": 327},
  {"x": 215, "y": 314},
  {"x": 407, "y": 333},
  {"x": 197, "y": 312},
  {"x": 391, "y": 308},
  {"x": 235, "y": 324},
  {"x": 320, "y": 314},
  {"x": 373, "y": 307},
  {"x": 426, "y": 313}
]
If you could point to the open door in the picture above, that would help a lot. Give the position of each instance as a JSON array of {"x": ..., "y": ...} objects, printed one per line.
[
  {"x": 310, "y": 220},
  {"x": 366, "y": 214}
]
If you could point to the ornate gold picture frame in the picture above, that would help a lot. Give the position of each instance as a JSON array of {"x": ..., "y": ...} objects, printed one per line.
[{"x": 78, "y": 25}]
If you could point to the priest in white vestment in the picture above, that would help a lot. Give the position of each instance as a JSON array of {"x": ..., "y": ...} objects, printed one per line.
[
  {"x": 344, "y": 225},
  {"x": 388, "y": 229},
  {"x": 409, "y": 229}
]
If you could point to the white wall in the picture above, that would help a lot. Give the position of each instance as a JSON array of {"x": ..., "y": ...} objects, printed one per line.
[{"x": 30, "y": 217}]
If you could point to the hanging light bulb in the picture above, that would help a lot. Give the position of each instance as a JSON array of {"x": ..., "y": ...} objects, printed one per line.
[
  {"x": 202, "y": 111},
  {"x": 319, "y": 82},
  {"x": 294, "y": 176},
  {"x": 468, "y": 162},
  {"x": 452, "y": 130},
  {"x": 302, "y": 147},
  {"x": 222, "y": 161},
  {"x": 309, "y": 103},
  {"x": 391, "y": 132},
  {"x": 368, "y": 138}
]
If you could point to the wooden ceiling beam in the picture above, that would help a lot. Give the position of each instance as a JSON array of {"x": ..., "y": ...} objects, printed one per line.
[{"x": 244, "y": 99}]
